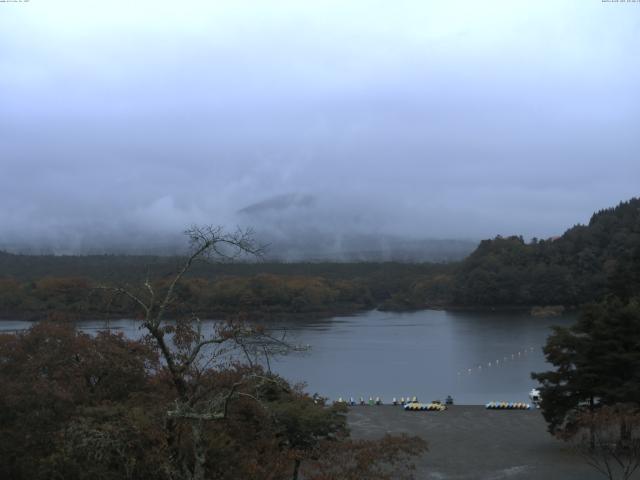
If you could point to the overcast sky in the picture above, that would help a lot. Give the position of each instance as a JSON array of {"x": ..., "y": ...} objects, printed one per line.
[{"x": 464, "y": 118}]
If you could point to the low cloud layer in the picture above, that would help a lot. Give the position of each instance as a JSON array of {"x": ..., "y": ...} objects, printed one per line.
[{"x": 122, "y": 123}]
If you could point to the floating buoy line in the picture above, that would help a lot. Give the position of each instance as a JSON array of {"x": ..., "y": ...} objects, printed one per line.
[
  {"x": 411, "y": 403},
  {"x": 497, "y": 363}
]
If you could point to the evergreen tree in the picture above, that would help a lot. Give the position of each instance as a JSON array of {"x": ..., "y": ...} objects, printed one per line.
[{"x": 597, "y": 363}]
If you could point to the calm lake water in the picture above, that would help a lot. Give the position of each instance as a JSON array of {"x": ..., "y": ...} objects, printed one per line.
[{"x": 475, "y": 357}]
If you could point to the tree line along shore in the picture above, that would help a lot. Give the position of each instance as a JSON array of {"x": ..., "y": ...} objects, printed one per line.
[{"x": 586, "y": 263}]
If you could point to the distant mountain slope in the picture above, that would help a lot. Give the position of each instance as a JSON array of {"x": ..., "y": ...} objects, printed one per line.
[
  {"x": 585, "y": 263},
  {"x": 279, "y": 203},
  {"x": 300, "y": 227}
]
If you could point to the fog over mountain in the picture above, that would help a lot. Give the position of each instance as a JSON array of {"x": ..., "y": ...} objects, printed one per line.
[
  {"x": 303, "y": 227},
  {"x": 334, "y": 129}
]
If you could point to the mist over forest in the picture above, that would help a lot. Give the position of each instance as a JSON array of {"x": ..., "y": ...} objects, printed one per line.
[
  {"x": 292, "y": 227},
  {"x": 379, "y": 131}
]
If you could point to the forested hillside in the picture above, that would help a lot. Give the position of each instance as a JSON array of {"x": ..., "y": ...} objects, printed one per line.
[{"x": 582, "y": 265}]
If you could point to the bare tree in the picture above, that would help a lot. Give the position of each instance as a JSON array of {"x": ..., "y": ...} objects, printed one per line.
[
  {"x": 609, "y": 440},
  {"x": 188, "y": 354}
]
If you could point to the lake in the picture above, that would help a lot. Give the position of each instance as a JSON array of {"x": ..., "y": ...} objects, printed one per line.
[{"x": 474, "y": 356}]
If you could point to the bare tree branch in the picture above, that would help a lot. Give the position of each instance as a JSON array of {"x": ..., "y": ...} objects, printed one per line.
[{"x": 198, "y": 399}]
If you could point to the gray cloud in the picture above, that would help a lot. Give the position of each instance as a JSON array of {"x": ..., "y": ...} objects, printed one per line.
[{"x": 122, "y": 123}]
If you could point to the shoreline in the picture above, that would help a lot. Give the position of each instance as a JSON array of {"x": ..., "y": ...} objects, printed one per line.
[
  {"x": 469, "y": 442},
  {"x": 36, "y": 316}
]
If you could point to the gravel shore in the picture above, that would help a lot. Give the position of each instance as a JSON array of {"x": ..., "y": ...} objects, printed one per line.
[{"x": 470, "y": 442}]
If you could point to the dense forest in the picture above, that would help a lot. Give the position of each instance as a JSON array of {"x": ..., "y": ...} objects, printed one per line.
[
  {"x": 582, "y": 265},
  {"x": 31, "y": 286}
]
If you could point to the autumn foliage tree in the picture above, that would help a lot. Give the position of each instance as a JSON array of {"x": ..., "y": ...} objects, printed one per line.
[
  {"x": 185, "y": 402},
  {"x": 50, "y": 375}
]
